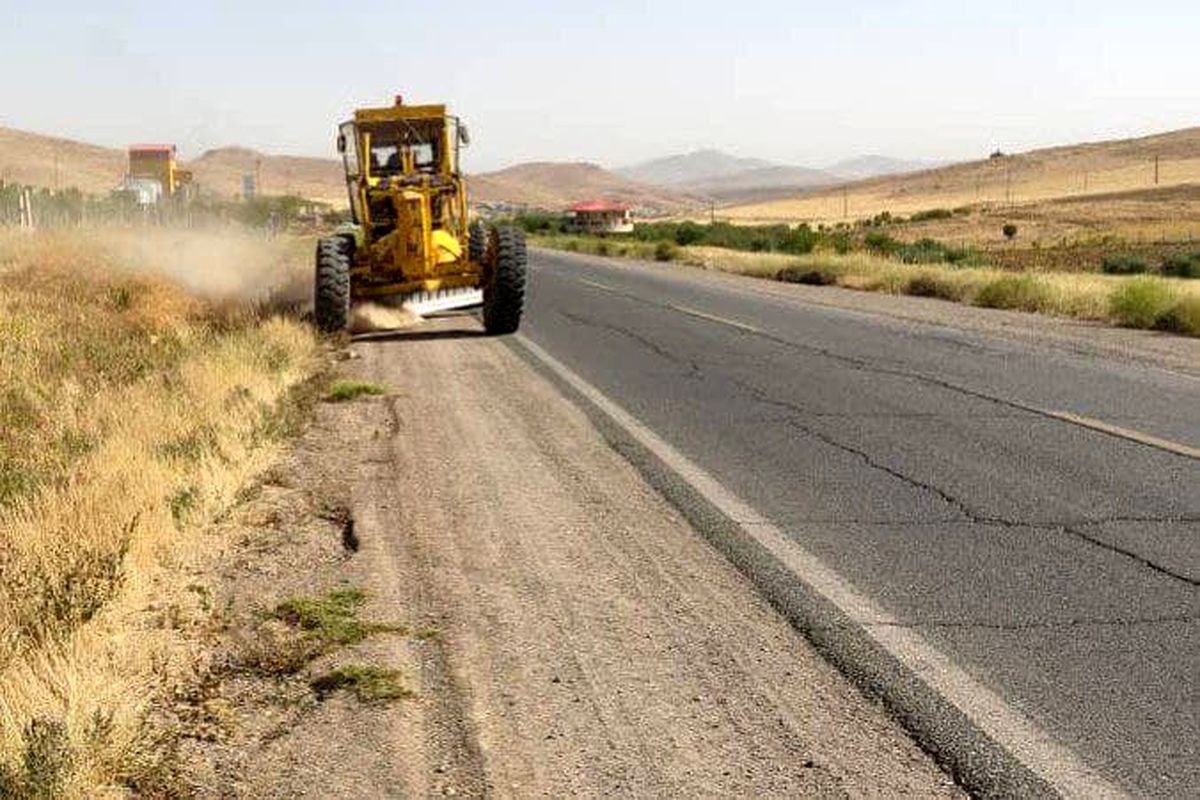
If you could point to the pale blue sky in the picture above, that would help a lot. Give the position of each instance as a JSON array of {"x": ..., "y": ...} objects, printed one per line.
[{"x": 613, "y": 82}]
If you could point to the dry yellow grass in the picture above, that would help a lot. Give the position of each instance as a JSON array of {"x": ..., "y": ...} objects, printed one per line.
[
  {"x": 1080, "y": 295},
  {"x": 1040, "y": 175},
  {"x": 133, "y": 412}
]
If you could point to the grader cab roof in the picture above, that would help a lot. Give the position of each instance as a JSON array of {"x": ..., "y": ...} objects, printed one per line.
[{"x": 399, "y": 113}]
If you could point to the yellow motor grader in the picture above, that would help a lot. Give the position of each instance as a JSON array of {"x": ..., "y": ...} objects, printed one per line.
[{"x": 409, "y": 238}]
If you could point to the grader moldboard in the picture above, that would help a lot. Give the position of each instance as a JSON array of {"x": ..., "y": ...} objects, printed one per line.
[{"x": 409, "y": 239}]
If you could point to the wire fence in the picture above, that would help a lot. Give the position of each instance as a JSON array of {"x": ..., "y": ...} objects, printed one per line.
[{"x": 31, "y": 208}]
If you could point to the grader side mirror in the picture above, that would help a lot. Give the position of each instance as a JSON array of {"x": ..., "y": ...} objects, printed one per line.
[
  {"x": 464, "y": 135},
  {"x": 341, "y": 143}
]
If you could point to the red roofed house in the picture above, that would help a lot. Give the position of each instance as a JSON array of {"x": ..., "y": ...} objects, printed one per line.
[{"x": 601, "y": 216}]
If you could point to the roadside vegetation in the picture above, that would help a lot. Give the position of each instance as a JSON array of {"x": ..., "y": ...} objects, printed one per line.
[
  {"x": 345, "y": 390},
  {"x": 1131, "y": 291},
  {"x": 145, "y": 380}
]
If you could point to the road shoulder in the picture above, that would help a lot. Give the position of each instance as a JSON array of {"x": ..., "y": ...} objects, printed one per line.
[{"x": 577, "y": 636}]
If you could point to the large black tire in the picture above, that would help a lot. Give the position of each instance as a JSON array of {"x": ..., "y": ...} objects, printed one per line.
[
  {"x": 504, "y": 288},
  {"x": 331, "y": 292},
  {"x": 477, "y": 246}
]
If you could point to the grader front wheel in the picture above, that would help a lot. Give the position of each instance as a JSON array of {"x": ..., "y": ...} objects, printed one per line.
[
  {"x": 504, "y": 288},
  {"x": 331, "y": 289}
]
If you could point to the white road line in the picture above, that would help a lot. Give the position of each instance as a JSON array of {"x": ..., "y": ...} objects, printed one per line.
[
  {"x": 1124, "y": 433},
  {"x": 603, "y": 286},
  {"x": 733, "y": 323},
  {"x": 689, "y": 311},
  {"x": 1012, "y": 730},
  {"x": 1065, "y": 416}
]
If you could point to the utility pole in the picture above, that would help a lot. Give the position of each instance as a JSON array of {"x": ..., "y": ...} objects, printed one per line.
[{"x": 1156, "y": 170}]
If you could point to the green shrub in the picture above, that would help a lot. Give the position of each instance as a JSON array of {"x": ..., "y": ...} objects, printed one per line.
[
  {"x": 881, "y": 243},
  {"x": 368, "y": 683},
  {"x": 929, "y": 284},
  {"x": 931, "y": 214},
  {"x": 1122, "y": 265},
  {"x": 812, "y": 276},
  {"x": 1142, "y": 303},
  {"x": 602, "y": 248},
  {"x": 665, "y": 251},
  {"x": 542, "y": 223},
  {"x": 1183, "y": 317},
  {"x": 1009, "y": 230},
  {"x": 1182, "y": 266},
  {"x": 688, "y": 233},
  {"x": 345, "y": 390},
  {"x": 1017, "y": 292}
]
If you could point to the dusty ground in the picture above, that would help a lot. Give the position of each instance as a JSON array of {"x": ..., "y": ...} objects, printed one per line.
[{"x": 577, "y": 638}]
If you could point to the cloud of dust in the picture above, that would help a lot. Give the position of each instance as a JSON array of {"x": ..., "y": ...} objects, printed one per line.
[
  {"x": 373, "y": 318},
  {"x": 222, "y": 266}
]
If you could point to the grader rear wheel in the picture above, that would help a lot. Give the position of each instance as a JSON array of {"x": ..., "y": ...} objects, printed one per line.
[
  {"x": 504, "y": 288},
  {"x": 478, "y": 241}
]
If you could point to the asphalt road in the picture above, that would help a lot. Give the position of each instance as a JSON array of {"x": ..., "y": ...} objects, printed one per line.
[{"x": 937, "y": 470}]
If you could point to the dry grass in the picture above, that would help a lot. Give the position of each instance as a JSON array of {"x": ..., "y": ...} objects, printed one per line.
[
  {"x": 133, "y": 411},
  {"x": 1039, "y": 175},
  {"x": 1172, "y": 305},
  {"x": 1068, "y": 294}
]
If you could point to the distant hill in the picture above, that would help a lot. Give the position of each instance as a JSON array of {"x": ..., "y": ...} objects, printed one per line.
[
  {"x": 702, "y": 166},
  {"x": 555, "y": 185},
  {"x": 37, "y": 160},
  {"x": 50, "y": 161},
  {"x": 760, "y": 184},
  {"x": 1077, "y": 170},
  {"x": 719, "y": 176},
  {"x": 872, "y": 166},
  {"x": 220, "y": 171}
]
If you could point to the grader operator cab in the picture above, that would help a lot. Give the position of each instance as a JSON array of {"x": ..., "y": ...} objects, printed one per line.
[{"x": 409, "y": 238}]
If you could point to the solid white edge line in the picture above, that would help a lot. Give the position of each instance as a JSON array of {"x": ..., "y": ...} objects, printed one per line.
[
  {"x": 1024, "y": 739},
  {"x": 1125, "y": 433}
]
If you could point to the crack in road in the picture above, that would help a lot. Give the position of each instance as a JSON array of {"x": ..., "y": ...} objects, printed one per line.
[
  {"x": 794, "y": 411},
  {"x": 693, "y": 370},
  {"x": 972, "y": 515},
  {"x": 864, "y": 365}
]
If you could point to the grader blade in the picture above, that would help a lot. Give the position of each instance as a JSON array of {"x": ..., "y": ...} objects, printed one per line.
[{"x": 425, "y": 303}]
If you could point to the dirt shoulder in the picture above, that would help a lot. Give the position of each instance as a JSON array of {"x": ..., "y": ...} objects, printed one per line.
[{"x": 556, "y": 627}]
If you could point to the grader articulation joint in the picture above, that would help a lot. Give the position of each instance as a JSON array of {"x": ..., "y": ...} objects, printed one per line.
[{"x": 409, "y": 237}]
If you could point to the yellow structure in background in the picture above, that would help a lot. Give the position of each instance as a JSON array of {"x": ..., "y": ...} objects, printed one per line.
[{"x": 157, "y": 162}]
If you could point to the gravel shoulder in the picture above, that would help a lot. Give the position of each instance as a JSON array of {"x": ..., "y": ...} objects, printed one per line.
[
  {"x": 589, "y": 641},
  {"x": 565, "y": 632}
]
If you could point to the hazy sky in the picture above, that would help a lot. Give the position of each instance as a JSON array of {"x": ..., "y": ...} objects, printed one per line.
[{"x": 613, "y": 81}]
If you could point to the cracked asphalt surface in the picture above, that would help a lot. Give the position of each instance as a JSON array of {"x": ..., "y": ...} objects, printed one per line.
[{"x": 1056, "y": 563}]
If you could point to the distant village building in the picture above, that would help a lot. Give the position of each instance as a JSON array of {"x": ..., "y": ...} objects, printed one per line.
[{"x": 601, "y": 216}]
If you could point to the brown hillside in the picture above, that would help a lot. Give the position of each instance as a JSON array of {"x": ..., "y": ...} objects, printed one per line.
[
  {"x": 31, "y": 158},
  {"x": 553, "y": 185},
  {"x": 1039, "y": 175},
  {"x": 220, "y": 171}
]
